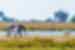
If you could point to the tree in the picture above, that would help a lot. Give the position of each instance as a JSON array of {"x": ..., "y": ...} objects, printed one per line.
[
  {"x": 73, "y": 20},
  {"x": 1, "y": 13},
  {"x": 49, "y": 20},
  {"x": 4, "y": 18},
  {"x": 1, "y": 16},
  {"x": 61, "y": 16}
]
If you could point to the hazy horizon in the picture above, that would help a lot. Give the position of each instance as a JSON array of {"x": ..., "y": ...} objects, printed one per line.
[{"x": 36, "y": 9}]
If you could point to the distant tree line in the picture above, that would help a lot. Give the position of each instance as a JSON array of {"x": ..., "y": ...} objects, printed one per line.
[
  {"x": 59, "y": 16},
  {"x": 4, "y": 18}
]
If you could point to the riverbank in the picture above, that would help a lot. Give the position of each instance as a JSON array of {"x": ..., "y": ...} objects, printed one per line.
[{"x": 41, "y": 33}]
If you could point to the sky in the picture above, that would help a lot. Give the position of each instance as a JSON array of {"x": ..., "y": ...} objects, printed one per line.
[
  {"x": 36, "y": 9},
  {"x": 25, "y": 9},
  {"x": 8, "y": 7},
  {"x": 66, "y": 5}
]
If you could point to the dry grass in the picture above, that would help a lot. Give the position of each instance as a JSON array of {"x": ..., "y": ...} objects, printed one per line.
[
  {"x": 30, "y": 38},
  {"x": 45, "y": 40},
  {"x": 43, "y": 25}
]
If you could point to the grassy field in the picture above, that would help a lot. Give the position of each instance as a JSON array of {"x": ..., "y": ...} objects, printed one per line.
[
  {"x": 38, "y": 48},
  {"x": 37, "y": 43},
  {"x": 43, "y": 25}
]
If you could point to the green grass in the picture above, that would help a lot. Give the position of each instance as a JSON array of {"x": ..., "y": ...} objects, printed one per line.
[
  {"x": 36, "y": 44},
  {"x": 38, "y": 48},
  {"x": 32, "y": 48}
]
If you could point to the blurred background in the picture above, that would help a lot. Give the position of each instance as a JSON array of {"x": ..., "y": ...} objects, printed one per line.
[
  {"x": 50, "y": 24},
  {"x": 41, "y": 17}
]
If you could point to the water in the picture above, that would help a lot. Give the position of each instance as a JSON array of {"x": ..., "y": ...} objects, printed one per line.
[{"x": 41, "y": 33}]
